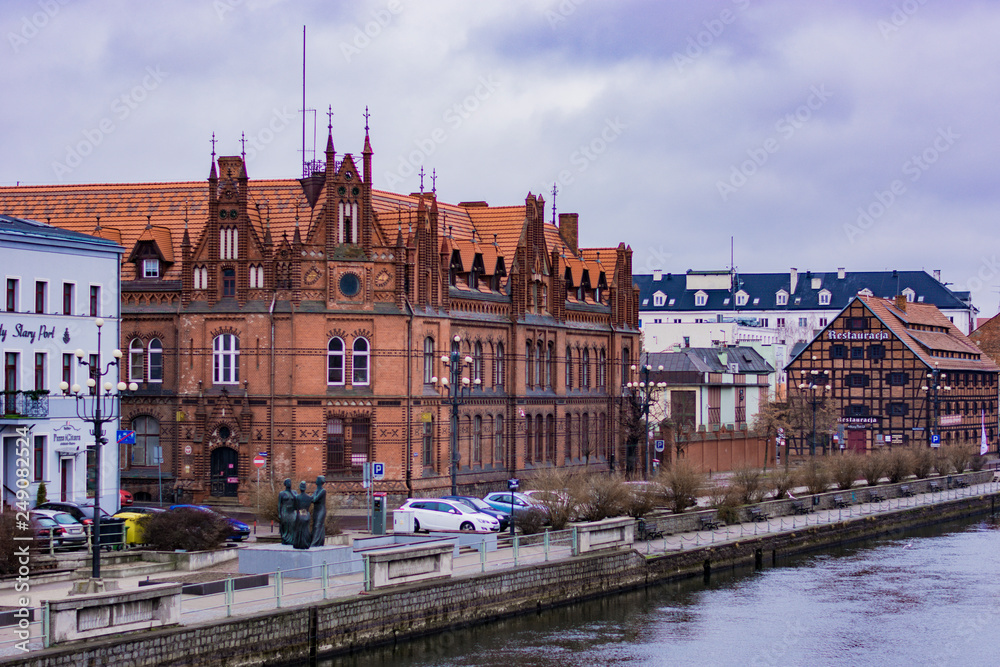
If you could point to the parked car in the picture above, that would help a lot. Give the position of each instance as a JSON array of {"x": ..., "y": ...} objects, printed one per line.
[
  {"x": 440, "y": 514},
  {"x": 501, "y": 500},
  {"x": 124, "y": 497},
  {"x": 71, "y": 533},
  {"x": 43, "y": 529},
  {"x": 132, "y": 516},
  {"x": 82, "y": 512},
  {"x": 240, "y": 530},
  {"x": 503, "y": 516}
]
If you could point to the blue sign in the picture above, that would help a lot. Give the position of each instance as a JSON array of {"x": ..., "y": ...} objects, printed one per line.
[
  {"x": 936, "y": 439},
  {"x": 512, "y": 484},
  {"x": 126, "y": 437},
  {"x": 378, "y": 471}
]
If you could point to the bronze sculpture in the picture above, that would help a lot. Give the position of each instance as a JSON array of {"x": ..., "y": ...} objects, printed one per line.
[{"x": 286, "y": 512}]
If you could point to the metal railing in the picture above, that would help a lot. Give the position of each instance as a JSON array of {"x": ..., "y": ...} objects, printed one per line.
[{"x": 24, "y": 404}]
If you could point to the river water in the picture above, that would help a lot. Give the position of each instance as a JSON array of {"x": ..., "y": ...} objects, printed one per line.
[{"x": 928, "y": 597}]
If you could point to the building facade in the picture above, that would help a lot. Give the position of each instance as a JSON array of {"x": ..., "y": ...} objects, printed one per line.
[
  {"x": 897, "y": 373},
  {"x": 784, "y": 308},
  {"x": 306, "y": 320},
  {"x": 56, "y": 284}
]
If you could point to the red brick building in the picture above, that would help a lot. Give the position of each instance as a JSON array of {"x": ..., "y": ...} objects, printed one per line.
[
  {"x": 306, "y": 319},
  {"x": 898, "y": 372}
]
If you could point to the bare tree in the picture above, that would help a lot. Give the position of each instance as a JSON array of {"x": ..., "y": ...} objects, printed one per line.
[{"x": 772, "y": 416}]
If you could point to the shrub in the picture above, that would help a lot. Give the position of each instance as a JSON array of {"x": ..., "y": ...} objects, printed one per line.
[
  {"x": 961, "y": 455},
  {"x": 845, "y": 470},
  {"x": 641, "y": 499},
  {"x": 748, "y": 482},
  {"x": 942, "y": 462},
  {"x": 600, "y": 497},
  {"x": 683, "y": 482},
  {"x": 921, "y": 461},
  {"x": 187, "y": 529},
  {"x": 874, "y": 467},
  {"x": 814, "y": 475},
  {"x": 265, "y": 496},
  {"x": 43, "y": 495},
  {"x": 333, "y": 504},
  {"x": 978, "y": 461},
  {"x": 557, "y": 500},
  {"x": 780, "y": 481},
  {"x": 898, "y": 465},
  {"x": 530, "y": 521},
  {"x": 726, "y": 501},
  {"x": 8, "y": 557}
]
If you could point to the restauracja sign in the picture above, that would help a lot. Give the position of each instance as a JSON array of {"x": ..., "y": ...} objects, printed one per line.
[{"x": 857, "y": 335}]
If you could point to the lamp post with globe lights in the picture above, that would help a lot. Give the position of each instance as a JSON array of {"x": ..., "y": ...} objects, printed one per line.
[
  {"x": 457, "y": 388},
  {"x": 818, "y": 385},
  {"x": 933, "y": 390},
  {"x": 98, "y": 406},
  {"x": 646, "y": 392}
]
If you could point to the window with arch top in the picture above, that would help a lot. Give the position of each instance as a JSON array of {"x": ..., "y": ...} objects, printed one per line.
[
  {"x": 226, "y": 359},
  {"x": 335, "y": 361},
  {"x": 360, "y": 360}
]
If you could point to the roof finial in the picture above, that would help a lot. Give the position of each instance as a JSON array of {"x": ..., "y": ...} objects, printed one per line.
[
  {"x": 434, "y": 179},
  {"x": 421, "y": 179},
  {"x": 449, "y": 231},
  {"x": 213, "y": 147},
  {"x": 366, "y": 118},
  {"x": 495, "y": 241},
  {"x": 329, "y": 118},
  {"x": 98, "y": 227},
  {"x": 149, "y": 221},
  {"x": 243, "y": 143},
  {"x": 185, "y": 214},
  {"x": 555, "y": 191}
]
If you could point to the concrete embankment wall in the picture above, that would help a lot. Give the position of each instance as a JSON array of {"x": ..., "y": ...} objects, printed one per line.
[{"x": 297, "y": 635}]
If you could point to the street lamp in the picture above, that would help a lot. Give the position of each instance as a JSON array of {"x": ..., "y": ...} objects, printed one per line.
[
  {"x": 817, "y": 386},
  {"x": 457, "y": 387},
  {"x": 645, "y": 391},
  {"x": 933, "y": 391},
  {"x": 102, "y": 408}
]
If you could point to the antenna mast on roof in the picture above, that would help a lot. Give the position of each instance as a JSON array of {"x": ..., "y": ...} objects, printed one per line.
[
  {"x": 555, "y": 191},
  {"x": 309, "y": 164}
]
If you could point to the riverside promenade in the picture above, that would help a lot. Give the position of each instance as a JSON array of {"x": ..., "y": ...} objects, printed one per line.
[{"x": 286, "y": 592}]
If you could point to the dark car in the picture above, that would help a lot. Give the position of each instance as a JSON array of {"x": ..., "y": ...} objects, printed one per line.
[
  {"x": 82, "y": 512},
  {"x": 480, "y": 505},
  {"x": 241, "y": 531}
]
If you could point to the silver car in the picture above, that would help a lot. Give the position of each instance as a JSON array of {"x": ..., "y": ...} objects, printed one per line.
[{"x": 73, "y": 533}]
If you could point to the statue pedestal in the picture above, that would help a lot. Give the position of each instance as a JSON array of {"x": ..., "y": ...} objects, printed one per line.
[{"x": 299, "y": 563}]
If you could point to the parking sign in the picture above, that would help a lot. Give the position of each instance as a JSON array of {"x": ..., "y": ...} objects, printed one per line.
[{"x": 378, "y": 471}]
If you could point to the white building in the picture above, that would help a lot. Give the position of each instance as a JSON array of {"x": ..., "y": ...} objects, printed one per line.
[{"x": 56, "y": 285}]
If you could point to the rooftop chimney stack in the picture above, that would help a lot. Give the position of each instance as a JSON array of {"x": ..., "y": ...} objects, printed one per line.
[
  {"x": 657, "y": 275},
  {"x": 569, "y": 230},
  {"x": 901, "y": 302},
  {"x": 841, "y": 273},
  {"x": 793, "y": 279},
  {"x": 937, "y": 275}
]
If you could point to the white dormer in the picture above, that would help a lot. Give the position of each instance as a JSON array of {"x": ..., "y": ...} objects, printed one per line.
[
  {"x": 909, "y": 294},
  {"x": 865, "y": 292},
  {"x": 781, "y": 298},
  {"x": 824, "y": 297},
  {"x": 659, "y": 298},
  {"x": 700, "y": 298},
  {"x": 741, "y": 298}
]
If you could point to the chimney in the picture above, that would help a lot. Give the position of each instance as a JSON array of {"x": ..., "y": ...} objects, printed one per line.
[
  {"x": 657, "y": 275},
  {"x": 901, "y": 302},
  {"x": 937, "y": 275},
  {"x": 794, "y": 280},
  {"x": 569, "y": 230},
  {"x": 841, "y": 273}
]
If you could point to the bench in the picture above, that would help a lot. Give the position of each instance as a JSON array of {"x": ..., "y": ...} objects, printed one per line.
[
  {"x": 708, "y": 523},
  {"x": 799, "y": 507},
  {"x": 933, "y": 487},
  {"x": 875, "y": 497},
  {"x": 905, "y": 490},
  {"x": 757, "y": 514},
  {"x": 648, "y": 531},
  {"x": 961, "y": 483},
  {"x": 838, "y": 501}
]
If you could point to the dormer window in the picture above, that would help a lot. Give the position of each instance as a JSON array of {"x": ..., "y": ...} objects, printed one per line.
[
  {"x": 909, "y": 294},
  {"x": 824, "y": 298},
  {"x": 781, "y": 298},
  {"x": 659, "y": 298},
  {"x": 700, "y": 298},
  {"x": 741, "y": 298},
  {"x": 151, "y": 268}
]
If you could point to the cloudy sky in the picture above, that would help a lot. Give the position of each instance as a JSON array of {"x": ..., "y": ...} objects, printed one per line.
[{"x": 861, "y": 134}]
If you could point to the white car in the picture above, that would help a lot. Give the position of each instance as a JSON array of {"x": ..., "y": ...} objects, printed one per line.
[{"x": 437, "y": 514}]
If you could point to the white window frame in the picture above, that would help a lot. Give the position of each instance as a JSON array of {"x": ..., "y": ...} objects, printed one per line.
[
  {"x": 332, "y": 355},
  {"x": 151, "y": 267},
  {"x": 781, "y": 298},
  {"x": 154, "y": 351},
  {"x": 136, "y": 358},
  {"x": 226, "y": 359},
  {"x": 700, "y": 298},
  {"x": 824, "y": 298},
  {"x": 361, "y": 361}
]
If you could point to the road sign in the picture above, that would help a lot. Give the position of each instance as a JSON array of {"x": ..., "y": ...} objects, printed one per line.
[
  {"x": 936, "y": 440},
  {"x": 512, "y": 484},
  {"x": 378, "y": 471},
  {"x": 259, "y": 461},
  {"x": 659, "y": 445},
  {"x": 158, "y": 455},
  {"x": 126, "y": 437}
]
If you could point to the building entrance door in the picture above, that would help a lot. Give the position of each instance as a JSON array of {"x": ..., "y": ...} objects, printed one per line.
[
  {"x": 225, "y": 472},
  {"x": 65, "y": 479},
  {"x": 856, "y": 441}
]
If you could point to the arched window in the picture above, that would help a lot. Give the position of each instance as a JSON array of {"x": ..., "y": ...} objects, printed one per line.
[
  {"x": 498, "y": 369},
  {"x": 550, "y": 362},
  {"x": 428, "y": 443},
  {"x": 550, "y": 440},
  {"x": 528, "y": 350},
  {"x": 477, "y": 439},
  {"x": 539, "y": 438},
  {"x": 147, "y": 440},
  {"x": 528, "y": 440},
  {"x": 335, "y": 362},
  {"x": 226, "y": 359},
  {"x": 477, "y": 365},
  {"x": 602, "y": 369},
  {"x": 155, "y": 360},
  {"x": 136, "y": 354},
  {"x": 359, "y": 362},
  {"x": 602, "y": 436},
  {"x": 568, "y": 454},
  {"x": 428, "y": 360},
  {"x": 585, "y": 368},
  {"x": 539, "y": 360},
  {"x": 498, "y": 441},
  {"x": 585, "y": 434},
  {"x": 569, "y": 367}
]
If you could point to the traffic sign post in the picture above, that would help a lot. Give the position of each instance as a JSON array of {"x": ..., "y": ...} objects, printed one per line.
[
  {"x": 659, "y": 445},
  {"x": 260, "y": 461}
]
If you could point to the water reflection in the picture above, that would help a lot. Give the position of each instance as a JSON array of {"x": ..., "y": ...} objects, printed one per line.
[{"x": 925, "y": 598}]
